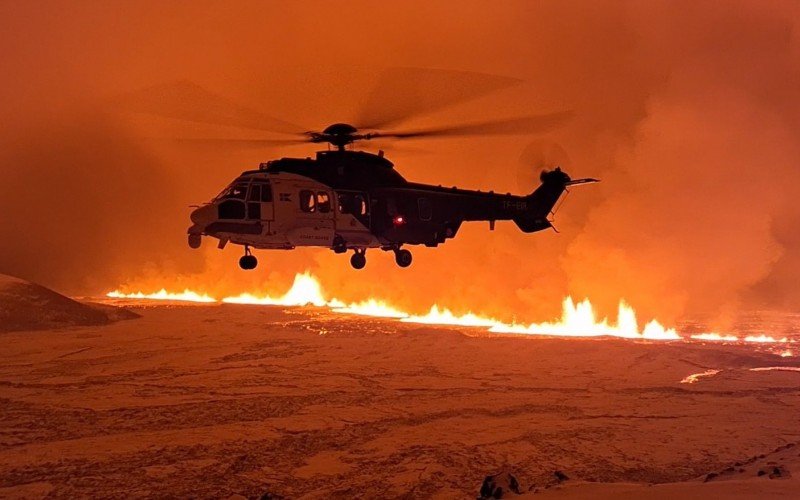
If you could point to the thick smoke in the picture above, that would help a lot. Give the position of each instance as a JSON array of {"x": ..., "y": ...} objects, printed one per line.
[
  {"x": 689, "y": 112},
  {"x": 701, "y": 202}
]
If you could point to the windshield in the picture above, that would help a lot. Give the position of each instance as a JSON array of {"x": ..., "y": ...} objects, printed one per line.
[{"x": 237, "y": 191}]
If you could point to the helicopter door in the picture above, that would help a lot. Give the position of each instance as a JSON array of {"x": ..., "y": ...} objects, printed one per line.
[
  {"x": 315, "y": 204},
  {"x": 312, "y": 224},
  {"x": 259, "y": 201},
  {"x": 354, "y": 205}
]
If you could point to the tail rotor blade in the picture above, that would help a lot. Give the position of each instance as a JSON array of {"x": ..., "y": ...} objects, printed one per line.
[{"x": 537, "y": 156}]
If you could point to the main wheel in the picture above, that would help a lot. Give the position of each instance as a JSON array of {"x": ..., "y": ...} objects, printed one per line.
[
  {"x": 248, "y": 262},
  {"x": 403, "y": 258},
  {"x": 358, "y": 260}
]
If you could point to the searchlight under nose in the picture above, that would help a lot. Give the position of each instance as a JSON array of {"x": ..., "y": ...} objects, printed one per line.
[
  {"x": 201, "y": 218},
  {"x": 204, "y": 215}
]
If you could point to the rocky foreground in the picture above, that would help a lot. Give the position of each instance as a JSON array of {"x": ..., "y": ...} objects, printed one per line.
[{"x": 248, "y": 401}]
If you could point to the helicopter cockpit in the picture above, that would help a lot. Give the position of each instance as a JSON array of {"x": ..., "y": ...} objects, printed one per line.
[
  {"x": 243, "y": 198},
  {"x": 236, "y": 190}
]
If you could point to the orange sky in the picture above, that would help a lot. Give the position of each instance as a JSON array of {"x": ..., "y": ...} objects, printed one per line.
[{"x": 688, "y": 111}]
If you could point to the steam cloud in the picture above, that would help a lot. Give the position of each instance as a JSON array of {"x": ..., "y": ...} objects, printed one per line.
[{"x": 688, "y": 111}]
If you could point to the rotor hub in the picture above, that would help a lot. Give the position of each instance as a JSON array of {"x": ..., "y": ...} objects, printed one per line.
[
  {"x": 338, "y": 134},
  {"x": 340, "y": 129}
]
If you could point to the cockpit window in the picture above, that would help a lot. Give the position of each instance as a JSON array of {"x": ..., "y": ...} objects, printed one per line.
[
  {"x": 231, "y": 209},
  {"x": 307, "y": 201},
  {"x": 236, "y": 191},
  {"x": 323, "y": 202},
  {"x": 255, "y": 193}
]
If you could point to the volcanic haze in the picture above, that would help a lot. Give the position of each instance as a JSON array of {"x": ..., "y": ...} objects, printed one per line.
[{"x": 688, "y": 111}]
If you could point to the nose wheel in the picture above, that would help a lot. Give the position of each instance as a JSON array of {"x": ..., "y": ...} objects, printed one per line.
[
  {"x": 248, "y": 261},
  {"x": 359, "y": 259}
]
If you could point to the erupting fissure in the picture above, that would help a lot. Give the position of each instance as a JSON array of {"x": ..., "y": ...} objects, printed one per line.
[
  {"x": 577, "y": 319},
  {"x": 163, "y": 294}
]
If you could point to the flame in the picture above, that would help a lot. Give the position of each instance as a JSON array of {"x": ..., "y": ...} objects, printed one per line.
[
  {"x": 163, "y": 294},
  {"x": 577, "y": 319},
  {"x": 305, "y": 290},
  {"x": 445, "y": 317},
  {"x": 371, "y": 307},
  {"x": 764, "y": 339}
]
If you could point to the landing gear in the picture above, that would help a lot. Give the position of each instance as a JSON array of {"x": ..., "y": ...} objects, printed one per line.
[
  {"x": 359, "y": 259},
  {"x": 402, "y": 257},
  {"x": 248, "y": 261}
]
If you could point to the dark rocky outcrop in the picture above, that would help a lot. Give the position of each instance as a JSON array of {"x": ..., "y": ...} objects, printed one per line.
[
  {"x": 499, "y": 486},
  {"x": 28, "y": 306}
]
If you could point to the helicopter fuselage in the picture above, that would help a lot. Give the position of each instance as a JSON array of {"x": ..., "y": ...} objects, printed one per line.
[{"x": 356, "y": 200}]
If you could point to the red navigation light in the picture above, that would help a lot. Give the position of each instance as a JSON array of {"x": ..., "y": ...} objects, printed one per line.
[{"x": 399, "y": 220}]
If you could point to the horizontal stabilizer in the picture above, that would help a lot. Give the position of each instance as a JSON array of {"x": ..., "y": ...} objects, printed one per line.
[{"x": 588, "y": 180}]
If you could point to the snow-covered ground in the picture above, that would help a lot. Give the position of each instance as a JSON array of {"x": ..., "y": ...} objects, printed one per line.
[{"x": 222, "y": 400}]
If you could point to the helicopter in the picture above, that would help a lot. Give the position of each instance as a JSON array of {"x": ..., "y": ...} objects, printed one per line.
[{"x": 345, "y": 199}]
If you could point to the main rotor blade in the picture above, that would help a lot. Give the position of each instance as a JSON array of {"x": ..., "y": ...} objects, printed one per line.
[
  {"x": 513, "y": 126},
  {"x": 392, "y": 147},
  {"x": 235, "y": 143},
  {"x": 403, "y": 93},
  {"x": 188, "y": 101}
]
